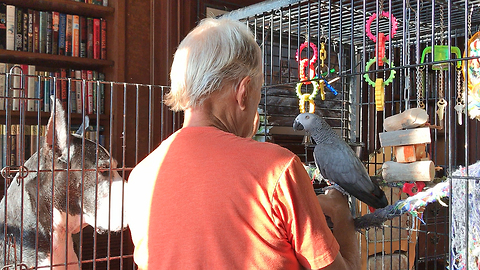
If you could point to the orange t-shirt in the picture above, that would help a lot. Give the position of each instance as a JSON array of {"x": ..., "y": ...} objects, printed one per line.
[{"x": 207, "y": 199}]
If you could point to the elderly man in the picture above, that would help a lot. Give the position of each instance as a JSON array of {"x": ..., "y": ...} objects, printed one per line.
[{"x": 210, "y": 197}]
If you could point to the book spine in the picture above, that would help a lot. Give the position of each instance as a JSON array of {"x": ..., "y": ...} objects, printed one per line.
[
  {"x": 63, "y": 88},
  {"x": 3, "y": 26},
  {"x": 76, "y": 36},
  {"x": 31, "y": 88},
  {"x": 101, "y": 77},
  {"x": 10, "y": 38},
  {"x": 34, "y": 139},
  {"x": 3, "y": 70},
  {"x": 89, "y": 92},
  {"x": 25, "y": 30},
  {"x": 30, "y": 30},
  {"x": 89, "y": 37},
  {"x": 13, "y": 145},
  {"x": 103, "y": 38},
  {"x": 84, "y": 91},
  {"x": 73, "y": 92},
  {"x": 68, "y": 35},
  {"x": 16, "y": 84},
  {"x": 55, "y": 21},
  {"x": 43, "y": 32},
  {"x": 27, "y": 143},
  {"x": 36, "y": 31},
  {"x": 83, "y": 36},
  {"x": 46, "y": 91},
  {"x": 79, "y": 90},
  {"x": 95, "y": 91},
  {"x": 62, "y": 25},
  {"x": 49, "y": 35},
  {"x": 96, "y": 38},
  {"x": 18, "y": 29}
]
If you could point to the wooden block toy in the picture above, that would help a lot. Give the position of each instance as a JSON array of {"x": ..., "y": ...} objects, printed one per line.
[
  {"x": 405, "y": 137},
  {"x": 411, "y": 118},
  {"x": 410, "y": 153},
  {"x": 405, "y": 172}
]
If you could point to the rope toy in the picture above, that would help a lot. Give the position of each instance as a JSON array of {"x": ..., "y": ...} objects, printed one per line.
[{"x": 373, "y": 17}]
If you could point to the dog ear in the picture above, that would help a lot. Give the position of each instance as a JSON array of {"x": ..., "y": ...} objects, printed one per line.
[{"x": 56, "y": 134}]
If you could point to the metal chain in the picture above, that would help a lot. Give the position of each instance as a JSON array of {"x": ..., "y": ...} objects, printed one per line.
[
  {"x": 442, "y": 28},
  {"x": 440, "y": 85},
  {"x": 459, "y": 87},
  {"x": 469, "y": 22},
  {"x": 420, "y": 103}
]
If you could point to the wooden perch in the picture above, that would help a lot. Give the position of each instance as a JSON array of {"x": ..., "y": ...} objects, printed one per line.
[
  {"x": 405, "y": 172},
  {"x": 405, "y": 137},
  {"x": 410, "y": 118}
]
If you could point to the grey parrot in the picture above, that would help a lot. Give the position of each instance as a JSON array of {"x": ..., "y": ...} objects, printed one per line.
[{"x": 338, "y": 163}]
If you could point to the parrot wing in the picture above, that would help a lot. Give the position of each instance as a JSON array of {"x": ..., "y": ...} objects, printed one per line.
[{"x": 338, "y": 163}]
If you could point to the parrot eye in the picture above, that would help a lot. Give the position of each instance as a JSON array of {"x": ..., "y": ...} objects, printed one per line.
[{"x": 307, "y": 117}]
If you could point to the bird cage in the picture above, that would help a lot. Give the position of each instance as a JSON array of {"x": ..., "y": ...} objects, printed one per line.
[{"x": 379, "y": 72}]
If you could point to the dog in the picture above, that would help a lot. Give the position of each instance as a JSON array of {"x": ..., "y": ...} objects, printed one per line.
[{"x": 38, "y": 222}]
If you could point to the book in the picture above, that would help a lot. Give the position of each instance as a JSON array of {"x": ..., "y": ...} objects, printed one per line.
[
  {"x": 84, "y": 91},
  {"x": 68, "y": 35},
  {"x": 55, "y": 22},
  {"x": 25, "y": 30},
  {"x": 47, "y": 82},
  {"x": 42, "y": 36},
  {"x": 76, "y": 36},
  {"x": 90, "y": 92},
  {"x": 62, "y": 25},
  {"x": 30, "y": 30},
  {"x": 18, "y": 29},
  {"x": 73, "y": 93},
  {"x": 79, "y": 90},
  {"x": 101, "y": 91},
  {"x": 95, "y": 91},
  {"x": 15, "y": 85},
  {"x": 49, "y": 34},
  {"x": 30, "y": 85},
  {"x": 103, "y": 39},
  {"x": 63, "y": 88},
  {"x": 96, "y": 39},
  {"x": 34, "y": 139},
  {"x": 3, "y": 26},
  {"x": 36, "y": 31},
  {"x": 3, "y": 70},
  {"x": 83, "y": 36},
  {"x": 105, "y": 3},
  {"x": 13, "y": 145},
  {"x": 27, "y": 144},
  {"x": 89, "y": 37},
  {"x": 10, "y": 37}
]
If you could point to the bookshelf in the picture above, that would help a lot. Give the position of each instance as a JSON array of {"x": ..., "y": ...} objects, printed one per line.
[{"x": 112, "y": 66}]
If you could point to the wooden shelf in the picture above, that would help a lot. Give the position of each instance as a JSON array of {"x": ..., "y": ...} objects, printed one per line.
[
  {"x": 51, "y": 60},
  {"x": 65, "y": 6},
  {"x": 32, "y": 117}
]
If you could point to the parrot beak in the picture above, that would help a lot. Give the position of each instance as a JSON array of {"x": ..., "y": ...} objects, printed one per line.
[{"x": 297, "y": 126}]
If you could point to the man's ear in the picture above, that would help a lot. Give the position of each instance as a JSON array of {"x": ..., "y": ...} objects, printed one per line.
[{"x": 242, "y": 92}]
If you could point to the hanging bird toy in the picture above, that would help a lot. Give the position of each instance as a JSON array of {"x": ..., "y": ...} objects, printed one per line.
[{"x": 380, "y": 57}]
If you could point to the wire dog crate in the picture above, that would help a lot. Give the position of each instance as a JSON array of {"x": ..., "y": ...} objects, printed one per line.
[
  {"x": 127, "y": 120},
  {"x": 372, "y": 60}
]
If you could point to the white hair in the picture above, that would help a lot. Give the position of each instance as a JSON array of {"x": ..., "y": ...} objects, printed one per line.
[{"x": 215, "y": 54}]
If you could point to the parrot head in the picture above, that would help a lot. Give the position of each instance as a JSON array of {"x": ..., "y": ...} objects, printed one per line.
[{"x": 306, "y": 121}]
